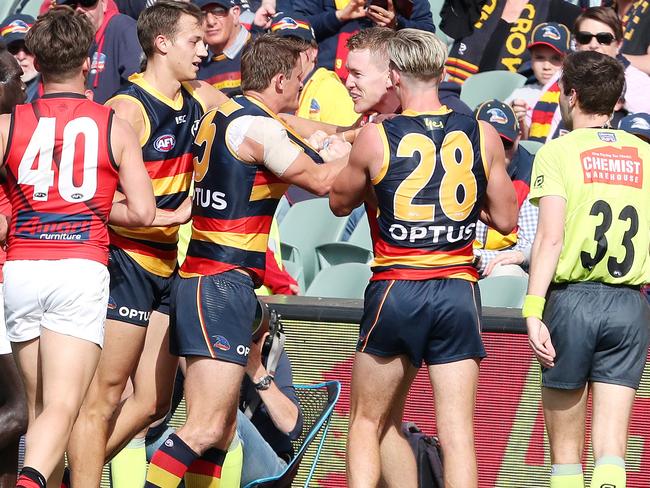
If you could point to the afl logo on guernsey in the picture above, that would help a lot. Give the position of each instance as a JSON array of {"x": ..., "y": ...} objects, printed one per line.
[{"x": 164, "y": 143}]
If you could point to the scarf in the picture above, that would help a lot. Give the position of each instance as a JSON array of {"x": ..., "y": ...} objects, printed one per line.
[{"x": 542, "y": 116}]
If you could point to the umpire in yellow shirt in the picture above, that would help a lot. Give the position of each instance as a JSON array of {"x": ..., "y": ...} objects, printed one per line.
[
  {"x": 324, "y": 97},
  {"x": 588, "y": 324}
]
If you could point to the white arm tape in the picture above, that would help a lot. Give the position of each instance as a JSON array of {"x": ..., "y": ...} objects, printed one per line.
[{"x": 279, "y": 151}]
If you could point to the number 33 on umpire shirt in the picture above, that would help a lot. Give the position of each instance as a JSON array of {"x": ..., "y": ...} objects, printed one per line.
[{"x": 600, "y": 173}]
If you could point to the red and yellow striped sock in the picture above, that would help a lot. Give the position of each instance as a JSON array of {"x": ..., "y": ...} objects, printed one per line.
[
  {"x": 169, "y": 463},
  {"x": 205, "y": 472}
]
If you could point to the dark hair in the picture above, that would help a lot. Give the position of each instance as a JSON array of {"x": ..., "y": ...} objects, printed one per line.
[
  {"x": 265, "y": 57},
  {"x": 301, "y": 44},
  {"x": 604, "y": 15},
  {"x": 11, "y": 86},
  {"x": 161, "y": 19},
  {"x": 598, "y": 80},
  {"x": 60, "y": 40}
]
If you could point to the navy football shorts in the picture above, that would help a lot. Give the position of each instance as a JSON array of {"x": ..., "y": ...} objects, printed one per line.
[
  {"x": 134, "y": 291},
  {"x": 212, "y": 316},
  {"x": 432, "y": 321}
]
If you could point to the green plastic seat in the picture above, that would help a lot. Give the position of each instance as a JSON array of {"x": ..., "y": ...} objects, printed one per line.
[
  {"x": 341, "y": 281},
  {"x": 531, "y": 146},
  {"x": 435, "y": 6},
  {"x": 308, "y": 224},
  {"x": 295, "y": 270},
  {"x": 503, "y": 291},
  {"x": 357, "y": 249},
  {"x": 487, "y": 85},
  {"x": 361, "y": 234},
  {"x": 334, "y": 253}
]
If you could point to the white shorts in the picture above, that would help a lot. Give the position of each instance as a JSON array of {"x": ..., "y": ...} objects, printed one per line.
[
  {"x": 5, "y": 345},
  {"x": 68, "y": 296}
]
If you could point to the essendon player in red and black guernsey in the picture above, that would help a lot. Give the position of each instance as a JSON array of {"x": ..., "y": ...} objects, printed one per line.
[
  {"x": 245, "y": 158},
  {"x": 64, "y": 156},
  {"x": 163, "y": 104},
  {"x": 426, "y": 176}
]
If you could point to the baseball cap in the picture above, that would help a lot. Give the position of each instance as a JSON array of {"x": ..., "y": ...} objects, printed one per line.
[
  {"x": 14, "y": 27},
  {"x": 285, "y": 26},
  {"x": 637, "y": 124},
  {"x": 223, "y": 3},
  {"x": 501, "y": 117},
  {"x": 551, "y": 34}
]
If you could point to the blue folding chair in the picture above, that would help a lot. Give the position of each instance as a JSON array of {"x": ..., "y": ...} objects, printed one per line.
[{"x": 317, "y": 404}]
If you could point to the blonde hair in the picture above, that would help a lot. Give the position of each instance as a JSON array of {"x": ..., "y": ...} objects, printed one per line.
[
  {"x": 416, "y": 53},
  {"x": 375, "y": 39}
]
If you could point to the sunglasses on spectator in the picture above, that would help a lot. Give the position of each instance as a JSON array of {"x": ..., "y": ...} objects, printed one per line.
[
  {"x": 81, "y": 3},
  {"x": 507, "y": 145},
  {"x": 604, "y": 38},
  {"x": 17, "y": 46},
  {"x": 217, "y": 11}
]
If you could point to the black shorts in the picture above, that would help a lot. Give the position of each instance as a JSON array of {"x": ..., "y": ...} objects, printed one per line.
[
  {"x": 134, "y": 291},
  {"x": 600, "y": 333},
  {"x": 212, "y": 316},
  {"x": 436, "y": 321}
]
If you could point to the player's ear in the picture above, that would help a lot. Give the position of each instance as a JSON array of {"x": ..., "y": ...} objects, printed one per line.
[
  {"x": 85, "y": 67},
  {"x": 162, "y": 43},
  {"x": 280, "y": 81},
  {"x": 393, "y": 78}
]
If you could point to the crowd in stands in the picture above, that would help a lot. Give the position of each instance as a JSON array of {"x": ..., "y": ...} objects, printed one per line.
[{"x": 527, "y": 37}]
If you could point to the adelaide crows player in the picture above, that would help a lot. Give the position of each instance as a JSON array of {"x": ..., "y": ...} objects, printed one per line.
[
  {"x": 245, "y": 159},
  {"x": 163, "y": 104},
  {"x": 65, "y": 156},
  {"x": 426, "y": 176}
]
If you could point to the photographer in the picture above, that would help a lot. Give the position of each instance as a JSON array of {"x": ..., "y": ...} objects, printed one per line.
[{"x": 266, "y": 437}]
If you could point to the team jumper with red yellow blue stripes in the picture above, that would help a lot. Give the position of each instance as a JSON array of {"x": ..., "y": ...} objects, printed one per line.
[{"x": 143, "y": 259}]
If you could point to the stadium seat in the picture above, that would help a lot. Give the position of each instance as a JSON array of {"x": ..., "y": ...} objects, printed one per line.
[
  {"x": 531, "y": 146},
  {"x": 334, "y": 253},
  {"x": 503, "y": 291},
  {"x": 341, "y": 281},
  {"x": 307, "y": 225},
  {"x": 317, "y": 404},
  {"x": 361, "y": 234},
  {"x": 357, "y": 249},
  {"x": 487, "y": 85},
  {"x": 435, "y": 7},
  {"x": 295, "y": 270}
]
